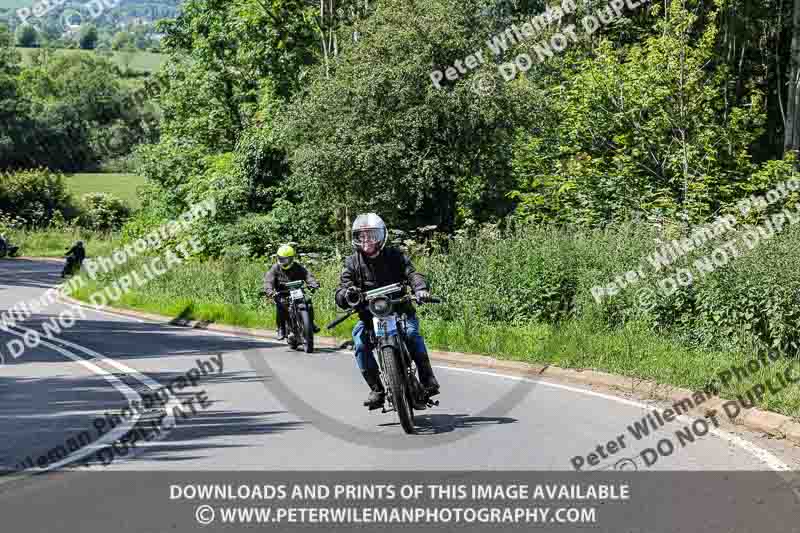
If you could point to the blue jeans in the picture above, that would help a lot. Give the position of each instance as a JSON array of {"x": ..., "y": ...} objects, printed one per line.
[{"x": 364, "y": 356}]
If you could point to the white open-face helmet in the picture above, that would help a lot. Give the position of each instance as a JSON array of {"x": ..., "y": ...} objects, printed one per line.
[{"x": 369, "y": 234}]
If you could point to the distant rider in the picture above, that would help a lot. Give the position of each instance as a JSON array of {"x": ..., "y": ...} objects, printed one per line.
[
  {"x": 285, "y": 270},
  {"x": 370, "y": 267},
  {"x": 75, "y": 257},
  {"x": 6, "y": 248}
]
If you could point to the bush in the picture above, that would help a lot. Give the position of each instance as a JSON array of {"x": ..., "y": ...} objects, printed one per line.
[
  {"x": 34, "y": 196},
  {"x": 27, "y": 37},
  {"x": 545, "y": 275},
  {"x": 103, "y": 212}
]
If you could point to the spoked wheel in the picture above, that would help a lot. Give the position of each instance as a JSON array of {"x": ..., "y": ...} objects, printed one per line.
[
  {"x": 400, "y": 399},
  {"x": 294, "y": 333},
  {"x": 308, "y": 331}
]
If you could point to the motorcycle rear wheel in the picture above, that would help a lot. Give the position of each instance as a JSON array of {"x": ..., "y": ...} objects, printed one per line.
[{"x": 398, "y": 389}]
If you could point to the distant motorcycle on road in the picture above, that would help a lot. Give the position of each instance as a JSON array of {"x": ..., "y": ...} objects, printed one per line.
[
  {"x": 71, "y": 267},
  {"x": 7, "y": 249}
]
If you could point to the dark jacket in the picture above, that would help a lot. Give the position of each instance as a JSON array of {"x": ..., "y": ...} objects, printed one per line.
[
  {"x": 78, "y": 251},
  {"x": 391, "y": 266},
  {"x": 276, "y": 278}
]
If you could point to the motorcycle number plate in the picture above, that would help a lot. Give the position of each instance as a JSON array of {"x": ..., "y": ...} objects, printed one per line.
[
  {"x": 386, "y": 326},
  {"x": 297, "y": 294}
]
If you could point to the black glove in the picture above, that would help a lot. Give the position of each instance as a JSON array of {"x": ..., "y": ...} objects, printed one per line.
[
  {"x": 423, "y": 295},
  {"x": 353, "y": 296}
]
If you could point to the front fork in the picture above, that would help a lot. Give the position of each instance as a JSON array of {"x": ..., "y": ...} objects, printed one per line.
[
  {"x": 418, "y": 395},
  {"x": 294, "y": 322}
]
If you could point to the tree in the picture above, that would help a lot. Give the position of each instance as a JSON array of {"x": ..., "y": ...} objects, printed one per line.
[
  {"x": 27, "y": 36},
  {"x": 140, "y": 38},
  {"x": 88, "y": 37},
  {"x": 51, "y": 33},
  {"x": 16, "y": 133},
  {"x": 374, "y": 133},
  {"x": 65, "y": 111},
  {"x": 792, "y": 135},
  {"x": 653, "y": 120},
  {"x": 122, "y": 40}
]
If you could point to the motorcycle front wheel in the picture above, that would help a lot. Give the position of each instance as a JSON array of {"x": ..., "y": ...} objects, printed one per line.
[
  {"x": 397, "y": 385},
  {"x": 308, "y": 331},
  {"x": 293, "y": 337}
]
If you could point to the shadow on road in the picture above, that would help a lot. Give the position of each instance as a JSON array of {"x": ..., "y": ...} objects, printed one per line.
[
  {"x": 445, "y": 423},
  {"x": 124, "y": 339},
  {"x": 46, "y": 398},
  {"x": 32, "y": 274}
]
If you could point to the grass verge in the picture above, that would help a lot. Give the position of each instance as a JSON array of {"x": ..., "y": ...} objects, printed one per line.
[{"x": 53, "y": 243}]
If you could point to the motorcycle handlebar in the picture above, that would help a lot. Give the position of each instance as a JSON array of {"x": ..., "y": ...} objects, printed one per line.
[
  {"x": 263, "y": 293},
  {"x": 429, "y": 300},
  {"x": 339, "y": 320}
]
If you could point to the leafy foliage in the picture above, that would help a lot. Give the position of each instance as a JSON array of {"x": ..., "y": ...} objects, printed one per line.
[
  {"x": 65, "y": 112},
  {"x": 102, "y": 212},
  {"x": 652, "y": 120},
  {"x": 34, "y": 197}
]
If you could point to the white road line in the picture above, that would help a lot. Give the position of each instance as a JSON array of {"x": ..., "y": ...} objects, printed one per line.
[
  {"x": 107, "y": 313},
  {"x": 125, "y": 369},
  {"x": 111, "y": 437},
  {"x": 766, "y": 457}
]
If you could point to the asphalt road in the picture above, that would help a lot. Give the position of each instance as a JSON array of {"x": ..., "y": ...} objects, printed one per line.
[{"x": 255, "y": 405}]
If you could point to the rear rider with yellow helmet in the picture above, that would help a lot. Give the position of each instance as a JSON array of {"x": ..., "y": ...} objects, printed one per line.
[{"x": 285, "y": 270}]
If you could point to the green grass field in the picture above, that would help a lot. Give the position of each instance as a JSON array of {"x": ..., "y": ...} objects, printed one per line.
[
  {"x": 122, "y": 186},
  {"x": 140, "y": 61}
]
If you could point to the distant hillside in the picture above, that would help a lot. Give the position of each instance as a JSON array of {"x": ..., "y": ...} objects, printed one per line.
[
  {"x": 13, "y": 4},
  {"x": 63, "y": 21}
]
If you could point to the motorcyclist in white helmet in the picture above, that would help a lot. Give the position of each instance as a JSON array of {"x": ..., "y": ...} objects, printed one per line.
[{"x": 374, "y": 265}]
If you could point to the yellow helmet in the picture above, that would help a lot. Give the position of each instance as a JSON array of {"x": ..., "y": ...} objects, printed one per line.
[{"x": 286, "y": 256}]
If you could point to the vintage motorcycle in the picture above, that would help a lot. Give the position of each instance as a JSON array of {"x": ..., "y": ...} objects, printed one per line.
[
  {"x": 388, "y": 338},
  {"x": 71, "y": 266},
  {"x": 300, "y": 329},
  {"x": 7, "y": 249}
]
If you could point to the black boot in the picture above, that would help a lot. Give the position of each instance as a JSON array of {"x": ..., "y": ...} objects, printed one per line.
[
  {"x": 377, "y": 393},
  {"x": 426, "y": 376}
]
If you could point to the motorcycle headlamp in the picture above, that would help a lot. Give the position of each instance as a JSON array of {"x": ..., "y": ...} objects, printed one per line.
[{"x": 380, "y": 306}]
